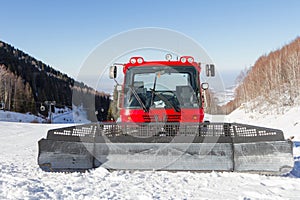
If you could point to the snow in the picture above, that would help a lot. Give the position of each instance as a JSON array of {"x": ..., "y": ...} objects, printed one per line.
[
  {"x": 60, "y": 115},
  {"x": 18, "y": 117},
  {"x": 21, "y": 178},
  {"x": 289, "y": 122},
  {"x": 66, "y": 115},
  {"x": 226, "y": 95}
]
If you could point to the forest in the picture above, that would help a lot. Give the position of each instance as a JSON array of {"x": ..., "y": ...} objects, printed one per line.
[
  {"x": 274, "y": 78},
  {"x": 27, "y": 83}
]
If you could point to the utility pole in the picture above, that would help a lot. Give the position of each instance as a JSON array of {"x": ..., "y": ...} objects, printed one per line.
[
  {"x": 50, "y": 104},
  {"x": 2, "y": 105}
]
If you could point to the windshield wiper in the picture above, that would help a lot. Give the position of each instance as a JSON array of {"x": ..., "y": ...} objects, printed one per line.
[
  {"x": 162, "y": 97},
  {"x": 138, "y": 98},
  {"x": 153, "y": 91}
]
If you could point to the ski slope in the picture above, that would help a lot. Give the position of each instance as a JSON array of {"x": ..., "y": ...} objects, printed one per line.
[
  {"x": 60, "y": 115},
  {"x": 21, "y": 178}
]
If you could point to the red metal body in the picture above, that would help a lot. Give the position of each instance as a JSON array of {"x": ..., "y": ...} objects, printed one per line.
[
  {"x": 161, "y": 63},
  {"x": 163, "y": 114}
]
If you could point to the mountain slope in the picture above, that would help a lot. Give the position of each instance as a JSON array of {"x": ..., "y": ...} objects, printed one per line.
[
  {"x": 26, "y": 83},
  {"x": 274, "y": 78}
]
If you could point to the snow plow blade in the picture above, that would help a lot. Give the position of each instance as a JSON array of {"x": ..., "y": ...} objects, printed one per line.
[{"x": 167, "y": 146}]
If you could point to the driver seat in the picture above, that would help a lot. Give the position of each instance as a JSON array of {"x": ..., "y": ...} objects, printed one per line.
[{"x": 185, "y": 95}]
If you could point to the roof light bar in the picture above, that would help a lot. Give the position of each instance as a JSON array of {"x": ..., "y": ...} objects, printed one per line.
[
  {"x": 136, "y": 60},
  {"x": 188, "y": 59}
]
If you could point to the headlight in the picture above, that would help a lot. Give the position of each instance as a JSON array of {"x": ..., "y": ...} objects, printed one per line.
[
  {"x": 183, "y": 59},
  {"x": 190, "y": 59},
  {"x": 140, "y": 60},
  {"x": 132, "y": 60}
]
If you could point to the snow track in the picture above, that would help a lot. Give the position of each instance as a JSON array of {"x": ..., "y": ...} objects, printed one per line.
[{"x": 21, "y": 178}]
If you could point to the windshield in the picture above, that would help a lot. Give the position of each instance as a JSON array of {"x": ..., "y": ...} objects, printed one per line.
[
  {"x": 161, "y": 87},
  {"x": 164, "y": 81}
]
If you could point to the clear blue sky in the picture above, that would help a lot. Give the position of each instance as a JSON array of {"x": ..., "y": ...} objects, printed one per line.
[{"x": 63, "y": 33}]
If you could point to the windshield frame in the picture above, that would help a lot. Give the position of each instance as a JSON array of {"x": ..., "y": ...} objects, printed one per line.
[{"x": 192, "y": 72}]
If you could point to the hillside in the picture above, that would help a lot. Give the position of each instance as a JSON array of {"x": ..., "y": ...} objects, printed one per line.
[
  {"x": 273, "y": 80},
  {"x": 27, "y": 83}
]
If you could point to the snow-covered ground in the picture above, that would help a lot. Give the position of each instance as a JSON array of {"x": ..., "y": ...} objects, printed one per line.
[
  {"x": 21, "y": 178},
  {"x": 60, "y": 115},
  {"x": 19, "y": 117},
  {"x": 289, "y": 122},
  {"x": 223, "y": 97}
]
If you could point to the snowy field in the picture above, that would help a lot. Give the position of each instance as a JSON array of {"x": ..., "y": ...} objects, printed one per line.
[
  {"x": 289, "y": 122},
  {"x": 21, "y": 178},
  {"x": 59, "y": 116}
]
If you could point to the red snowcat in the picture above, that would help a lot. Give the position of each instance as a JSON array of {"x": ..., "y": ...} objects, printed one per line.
[{"x": 162, "y": 127}]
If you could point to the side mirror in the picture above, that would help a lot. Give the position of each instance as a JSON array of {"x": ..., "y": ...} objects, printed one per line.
[
  {"x": 204, "y": 86},
  {"x": 210, "y": 70},
  {"x": 113, "y": 72}
]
